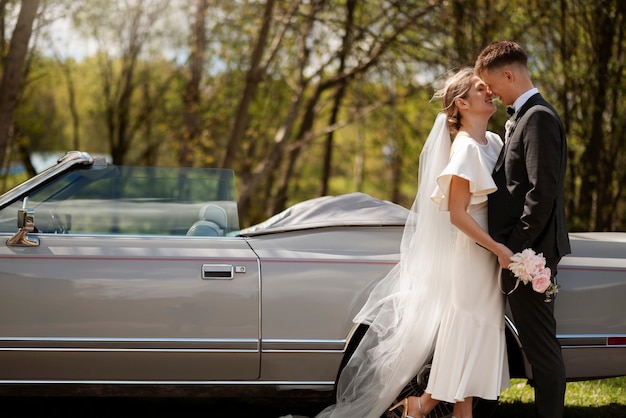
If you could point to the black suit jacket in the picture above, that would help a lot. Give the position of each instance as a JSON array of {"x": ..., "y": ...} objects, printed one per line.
[{"x": 528, "y": 209}]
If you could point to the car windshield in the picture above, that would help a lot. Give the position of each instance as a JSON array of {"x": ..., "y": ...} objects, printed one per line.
[{"x": 126, "y": 200}]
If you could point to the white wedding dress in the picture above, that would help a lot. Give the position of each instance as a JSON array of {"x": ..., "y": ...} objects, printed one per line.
[
  {"x": 442, "y": 280},
  {"x": 470, "y": 356}
]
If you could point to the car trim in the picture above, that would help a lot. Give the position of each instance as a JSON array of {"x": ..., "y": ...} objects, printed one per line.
[
  {"x": 327, "y": 261},
  {"x": 274, "y": 345},
  {"x": 573, "y": 340},
  {"x": 129, "y": 350},
  {"x": 259, "y": 316},
  {"x": 129, "y": 344},
  {"x": 589, "y": 340},
  {"x": 283, "y": 384},
  {"x": 91, "y": 257},
  {"x": 66, "y": 161}
]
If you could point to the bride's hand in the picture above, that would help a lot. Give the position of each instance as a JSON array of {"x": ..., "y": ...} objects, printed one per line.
[{"x": 504, "y": 256}]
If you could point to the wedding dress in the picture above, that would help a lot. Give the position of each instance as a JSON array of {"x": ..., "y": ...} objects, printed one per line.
[
  {"x": 470, "y": 356},
  {"x": 405, "y": 309}
]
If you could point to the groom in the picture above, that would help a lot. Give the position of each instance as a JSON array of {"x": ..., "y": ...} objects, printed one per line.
[{"x": 528, "y": 209}]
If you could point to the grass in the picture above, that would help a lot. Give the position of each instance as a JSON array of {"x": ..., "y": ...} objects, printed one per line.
[{"x": 595, "y": 399}]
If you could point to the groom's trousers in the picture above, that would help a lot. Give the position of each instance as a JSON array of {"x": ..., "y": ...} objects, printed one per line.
[{"x": 534, "y": 320}]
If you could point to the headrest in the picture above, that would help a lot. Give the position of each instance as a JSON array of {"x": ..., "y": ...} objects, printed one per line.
[{"x": 214, "y": 213}]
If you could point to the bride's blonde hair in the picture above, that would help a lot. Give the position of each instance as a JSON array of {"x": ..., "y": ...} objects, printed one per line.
[{"x": 455, "y": 87}]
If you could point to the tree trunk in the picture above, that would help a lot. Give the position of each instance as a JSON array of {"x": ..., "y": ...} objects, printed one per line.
[
  {"x": 341, "y": 91},
  {"x": 14, "y": 66},
  {"x": 253, "y": 77},
  {"x": 71, "y": 97},
  {"x": 3, "y": 41},
  {"x": 594, "y": 157},
  {"x": 191, "y": 99}
]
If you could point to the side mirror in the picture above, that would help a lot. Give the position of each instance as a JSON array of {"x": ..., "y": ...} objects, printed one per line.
[
  {"x": 26, "y": 219},
  {"x": 25, "y": 224}
]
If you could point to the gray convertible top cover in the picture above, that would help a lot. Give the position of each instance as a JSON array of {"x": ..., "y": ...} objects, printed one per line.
[{"x": 353, "y": 209}]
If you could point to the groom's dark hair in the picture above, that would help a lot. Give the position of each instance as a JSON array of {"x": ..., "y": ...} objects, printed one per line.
[{"x": 498, "y": 54}]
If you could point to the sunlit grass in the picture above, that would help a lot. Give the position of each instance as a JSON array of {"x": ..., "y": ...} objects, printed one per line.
[
  {"x": 598, "y": 392},
  {"x": 596, "y": 398}
]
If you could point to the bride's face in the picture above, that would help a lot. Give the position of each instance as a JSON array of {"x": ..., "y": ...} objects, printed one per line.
[{"x": 479, "y": 98}]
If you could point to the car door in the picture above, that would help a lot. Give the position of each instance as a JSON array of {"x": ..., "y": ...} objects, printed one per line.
[
  {"x": 129, "y": 309},
  {"x": 106, "y": 295}
]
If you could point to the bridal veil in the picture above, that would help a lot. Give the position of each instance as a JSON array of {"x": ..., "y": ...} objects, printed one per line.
[{"x": 404, "y": 310}]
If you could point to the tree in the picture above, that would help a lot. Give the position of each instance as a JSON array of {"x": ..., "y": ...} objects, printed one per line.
[
  {"x": 13, "y": 70},
  {"x": 122, "y": 38},
  {"x": 259, "y": 63},
  {"x": 303, "y": 99},
  {"x": 191, "y": 126},
  {"x": 584, "y": 65},
  {"x": 67, "y": 68},
  {"x": 311, "y": 72},
  {"x": 603, "y": 173},
  {"x": 339, "y": 96}
]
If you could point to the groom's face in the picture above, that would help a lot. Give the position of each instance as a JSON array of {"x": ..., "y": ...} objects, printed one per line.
[{"x": 499, "y": 84}]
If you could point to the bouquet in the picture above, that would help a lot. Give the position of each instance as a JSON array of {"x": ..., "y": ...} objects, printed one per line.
[{"x": 530, "y": 267}]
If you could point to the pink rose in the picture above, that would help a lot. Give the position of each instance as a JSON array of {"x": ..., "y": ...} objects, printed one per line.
[
  {"x": 526, "y": 264},
  {"x": 541, "y": 281}
]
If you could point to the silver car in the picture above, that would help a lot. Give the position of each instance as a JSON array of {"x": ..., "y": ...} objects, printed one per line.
[{"x": 141, "y": 278}]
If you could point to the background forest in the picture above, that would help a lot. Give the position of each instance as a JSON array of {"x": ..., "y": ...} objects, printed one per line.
[{"x": 302, "y": 98}]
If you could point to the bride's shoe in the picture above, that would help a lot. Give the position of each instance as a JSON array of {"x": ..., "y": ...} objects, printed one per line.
[{"x": 405, "y": 403}]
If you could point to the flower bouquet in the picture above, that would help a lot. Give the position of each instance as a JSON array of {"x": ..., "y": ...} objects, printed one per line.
[{"x": 530, "y": 267}]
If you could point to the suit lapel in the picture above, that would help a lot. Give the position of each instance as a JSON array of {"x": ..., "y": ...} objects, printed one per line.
[
  {"x": 532, "y": 101},
  {"x": 501, "y": 157}
]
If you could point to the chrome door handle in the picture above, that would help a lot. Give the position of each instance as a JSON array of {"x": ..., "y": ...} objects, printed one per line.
[{"x": 217, "y": 271}]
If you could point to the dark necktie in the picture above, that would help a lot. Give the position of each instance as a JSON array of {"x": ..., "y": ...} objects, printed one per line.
[{"x": 510, "y": 111}]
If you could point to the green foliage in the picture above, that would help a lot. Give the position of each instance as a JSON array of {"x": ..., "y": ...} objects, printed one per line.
[{"x": 576, "y": 58}]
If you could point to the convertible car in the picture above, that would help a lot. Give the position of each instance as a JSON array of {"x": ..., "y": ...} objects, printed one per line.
[{"x": 114, "y": 279}]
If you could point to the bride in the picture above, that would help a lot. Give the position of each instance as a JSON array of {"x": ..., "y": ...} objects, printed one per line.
[{"x": 442, "y": 300}]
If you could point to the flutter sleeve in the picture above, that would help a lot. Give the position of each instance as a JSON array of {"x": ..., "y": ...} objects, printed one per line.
[{"x": 466, "y": 161}]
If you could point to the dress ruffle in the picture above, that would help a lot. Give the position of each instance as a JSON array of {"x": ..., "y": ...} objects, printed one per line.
[
  {"x": 467, "y": 161},
  {"x": 473, "y": 372}
]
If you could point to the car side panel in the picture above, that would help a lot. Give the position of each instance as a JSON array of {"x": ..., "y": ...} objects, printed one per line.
[
  {"x": 590, "y": 309},
  {"x": 314, "y": 283},
  {"x": 134, "y": 308}
]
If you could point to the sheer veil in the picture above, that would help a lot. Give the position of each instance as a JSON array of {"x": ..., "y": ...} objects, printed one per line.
[{"x": 404, "y": 310}]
